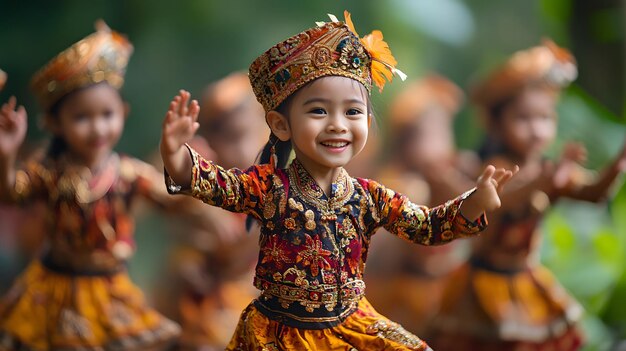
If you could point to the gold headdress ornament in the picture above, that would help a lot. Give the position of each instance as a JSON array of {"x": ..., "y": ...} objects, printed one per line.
[
  {"x": 546, "y": 64},
  {"x": 99, "y": 57},
  {"x": 3, "y": 79},
  {"x": 330, "y": 49},
  {"x": 421, "y": 95}
]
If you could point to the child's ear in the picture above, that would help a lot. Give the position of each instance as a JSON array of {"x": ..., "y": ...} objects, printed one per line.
[
  {"x": 126, "y": 110},
  {"x": 369, "y": 121},
  {"x": 279, "y": 125}
]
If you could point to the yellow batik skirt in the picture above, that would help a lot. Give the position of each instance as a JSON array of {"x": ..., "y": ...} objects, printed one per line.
[
  {"x": 487, "y": 310},
  {"x": 365, "y": 329},
  {"x": 46, "y": 310}
]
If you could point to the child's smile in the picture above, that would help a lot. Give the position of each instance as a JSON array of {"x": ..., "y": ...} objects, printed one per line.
[
  {"x": 337, "y": 146},
  {"x": 328, "y": 123}
]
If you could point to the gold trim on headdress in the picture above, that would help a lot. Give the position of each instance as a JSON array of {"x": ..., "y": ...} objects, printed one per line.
[
  {"x": 432, "y": 91},
  {"x": 330, "y": 49},
  {"x": 546, "y": 64},
  {"x": 99, "y": 57},
  {"x": 3, "y": 79}
]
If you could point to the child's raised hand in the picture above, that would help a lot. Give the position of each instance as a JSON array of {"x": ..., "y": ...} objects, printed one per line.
[
  {"x": 180, "y": 124},
  {"x": 573, "y": 155},
  {"x": 488, "y": 189},
  {"x": 13, "y": 125}
]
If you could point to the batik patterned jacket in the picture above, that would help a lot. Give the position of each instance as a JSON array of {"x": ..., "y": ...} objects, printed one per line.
[
  {"x": 89, "y": 217},
  {"x": 313, "y": 247}
]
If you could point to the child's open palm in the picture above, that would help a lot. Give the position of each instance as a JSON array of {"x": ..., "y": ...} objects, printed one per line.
[
  {"x": 488, "y": 188},
  {"x": 490, "y": 185},
  {"x": 13, "y": 125},
  {"x": 181, "y": 123}
]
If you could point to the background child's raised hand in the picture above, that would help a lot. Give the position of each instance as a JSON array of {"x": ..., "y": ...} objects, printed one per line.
[
  {"x": 487, "y": 194},
  {"x": 13, "y": 125},
  {"x": 179, "y": 127},
  {"x": 573, "y": 155}
]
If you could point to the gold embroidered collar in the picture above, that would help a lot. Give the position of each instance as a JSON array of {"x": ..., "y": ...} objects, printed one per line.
[{"x": 305, "y": 187}]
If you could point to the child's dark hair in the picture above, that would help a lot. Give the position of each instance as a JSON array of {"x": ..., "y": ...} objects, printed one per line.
[
  {"x": 57, "y": 144},
  {"x": 493, "y": 114}
]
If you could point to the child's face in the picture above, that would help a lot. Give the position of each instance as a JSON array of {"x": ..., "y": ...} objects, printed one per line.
[
  {"x": 432, "y": 138},
  {"x": 528, "y": 124},
  {"x": 241, "y": 137},
  {"x": 328, "y": 122},
  {"x": 91, "y": 122}
]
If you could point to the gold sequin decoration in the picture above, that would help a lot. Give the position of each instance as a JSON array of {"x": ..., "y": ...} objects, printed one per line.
[
  {"x": 310, "y": 220},
  {"x": 393, "y": 331}
]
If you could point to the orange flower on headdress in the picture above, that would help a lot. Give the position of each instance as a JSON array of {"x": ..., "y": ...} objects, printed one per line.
[{"x": 383, "y": 62}]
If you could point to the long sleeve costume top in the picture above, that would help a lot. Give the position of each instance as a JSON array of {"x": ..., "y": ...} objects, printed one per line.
[{"x": 313, "y": 246}]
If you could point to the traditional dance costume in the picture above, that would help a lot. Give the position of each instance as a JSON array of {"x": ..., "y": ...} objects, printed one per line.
[
  {"x": 217, "y": 273},
  {"x": 420, "y": 118},
  {"x": 79, "y": 296},
  {"x": 503, "y": 298},
  {"x": 313, "y": 246}
]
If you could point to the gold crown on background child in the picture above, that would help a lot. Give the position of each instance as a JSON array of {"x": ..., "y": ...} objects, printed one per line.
[
  {"x": 546, "y": 64},
  {"x": 3, "y": 79},
  {"x": 99, "y": 57},
  {"x": 330, "y": 49}
]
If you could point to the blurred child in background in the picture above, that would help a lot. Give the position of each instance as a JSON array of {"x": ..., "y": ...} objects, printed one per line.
[
  {"x": 216, "y": 268},
  {"x": 78, "y": 294},
  {"x": 427, "y": 167},
  {"x": 504, "y": 299}
]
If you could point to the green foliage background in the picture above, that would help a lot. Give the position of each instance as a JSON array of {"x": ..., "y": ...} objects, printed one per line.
[{"x": 187, "y": 44}]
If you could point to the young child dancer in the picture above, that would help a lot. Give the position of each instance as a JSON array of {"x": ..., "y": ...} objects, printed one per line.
[
  {"x": 316, "y": 220},
  {"x": 78, "y": 295},
  {"x": 426, "y": 166},
  {"x": 218, "y": 268},
  {"x": 503, "y": 299}
]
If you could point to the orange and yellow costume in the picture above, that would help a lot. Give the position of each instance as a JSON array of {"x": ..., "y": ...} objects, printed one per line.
[
  {"x": 503, "y": 298},
  {"x": 78, "y": 295},
  {"x": 407, "y": 286},
  {"x": 313, "y": 246}
]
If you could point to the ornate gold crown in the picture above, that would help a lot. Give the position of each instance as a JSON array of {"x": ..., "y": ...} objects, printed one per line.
[
  {"x": 99, "y": 57},
  {"x": 546, "y": 64},
  {"x": 330, "y": 49}
]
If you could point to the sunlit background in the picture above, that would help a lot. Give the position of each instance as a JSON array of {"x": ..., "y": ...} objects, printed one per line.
[{"x": 187, "y": 44}]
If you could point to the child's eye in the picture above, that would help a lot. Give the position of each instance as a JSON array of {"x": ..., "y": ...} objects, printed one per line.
[
  {"x": 318, "y": 111},
  {"x": 107, "y": 113},
  {"x": 354, "y": 112}
]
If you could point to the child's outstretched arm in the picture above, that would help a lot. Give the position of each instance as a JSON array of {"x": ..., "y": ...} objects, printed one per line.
[
  {"x": 601, "y": 186},
  {"x": 487, "y": 195},
  {"x": 179, "y": 127},
  {"x": 13, "y": 125}
]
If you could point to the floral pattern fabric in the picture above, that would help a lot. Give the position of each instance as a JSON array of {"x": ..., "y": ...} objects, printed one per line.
[{"x": 313, "y": 246}]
